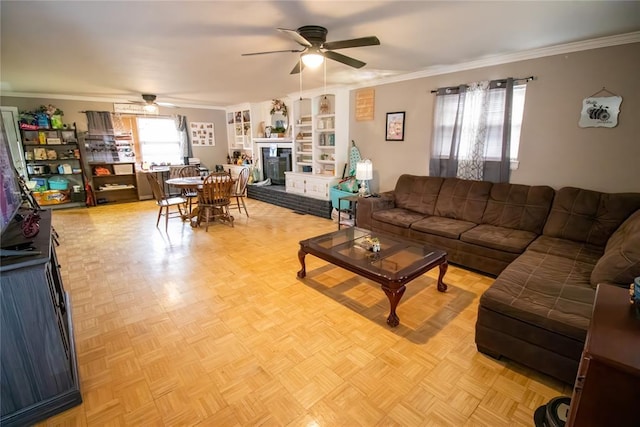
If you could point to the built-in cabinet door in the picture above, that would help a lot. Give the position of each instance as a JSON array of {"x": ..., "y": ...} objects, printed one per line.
[{"x": 294, "y": 184}]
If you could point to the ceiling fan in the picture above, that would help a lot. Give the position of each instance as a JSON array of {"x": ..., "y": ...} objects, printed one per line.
[
  {"x": 150, "y": 100},
  {"x": 314, "y": 40}
]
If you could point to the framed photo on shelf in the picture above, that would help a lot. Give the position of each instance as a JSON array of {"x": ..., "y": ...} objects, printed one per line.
[{"x": 395, "y": 126}]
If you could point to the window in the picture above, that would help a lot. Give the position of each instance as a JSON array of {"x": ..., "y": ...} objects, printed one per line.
[
  {"x": 159, "y": 140},
  {"x": 446, "y": 115},
  {"x": 469, "y": 130}
]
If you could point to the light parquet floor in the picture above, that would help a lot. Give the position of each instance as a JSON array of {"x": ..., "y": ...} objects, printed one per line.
[{"x": 214, "y": 329}]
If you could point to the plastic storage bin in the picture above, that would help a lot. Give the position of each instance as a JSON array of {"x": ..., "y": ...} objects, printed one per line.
[
  {"x": 41, "y": 184},
  {"x": 58, "y": 183}
]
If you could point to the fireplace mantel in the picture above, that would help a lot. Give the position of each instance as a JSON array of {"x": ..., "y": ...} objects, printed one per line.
[{"x": 269, "y": 141}]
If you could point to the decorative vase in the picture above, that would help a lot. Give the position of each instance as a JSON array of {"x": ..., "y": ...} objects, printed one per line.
[
  {"x": 56, "y": 121},
  {"x": 324, "y": 105}
]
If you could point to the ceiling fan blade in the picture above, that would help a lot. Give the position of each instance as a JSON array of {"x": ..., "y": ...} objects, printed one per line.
[
  {"x": 298, "y": 68},
  {"x": 271, "y": 51},
  {"x": 296, "y": 37},
  {"x": 343, "y": 44},
  {"x": 344, "y": 59}
]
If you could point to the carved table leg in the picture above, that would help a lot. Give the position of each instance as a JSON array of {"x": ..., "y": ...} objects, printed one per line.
[
  {"x": 443, "y": 269},
  {"x": 394, "y": 296},
  {"x": 303, "y": 270}
]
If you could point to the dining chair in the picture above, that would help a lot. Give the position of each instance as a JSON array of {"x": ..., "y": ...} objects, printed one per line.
[
  {"x": 215, "y": 198},
  {"x": 165, "y": 202},
  {"x": 239, "y": 191},
  {"x": 191, "y": 194}
]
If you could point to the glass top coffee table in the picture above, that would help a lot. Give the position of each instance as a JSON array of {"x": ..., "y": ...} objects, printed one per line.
[{"x": 397, "y": 262}]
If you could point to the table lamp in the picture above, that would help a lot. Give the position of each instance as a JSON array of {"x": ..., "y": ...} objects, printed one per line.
[{"x": 364, "y": 172}]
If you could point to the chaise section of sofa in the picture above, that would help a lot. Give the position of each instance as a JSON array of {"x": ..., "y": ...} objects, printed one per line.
[{"x": 538, "y": 310}]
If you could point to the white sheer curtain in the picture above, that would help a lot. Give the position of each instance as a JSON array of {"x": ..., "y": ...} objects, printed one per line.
[
  {"x": 472, "y": 131},
  {"x": 473, "y": 139}
]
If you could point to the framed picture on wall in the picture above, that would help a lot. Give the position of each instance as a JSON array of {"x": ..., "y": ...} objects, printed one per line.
[{"x": 395, "y": 126}]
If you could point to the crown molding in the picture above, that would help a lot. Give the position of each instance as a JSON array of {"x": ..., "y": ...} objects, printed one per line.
[
  {"x": 601, "y": 42},
  {"x": 97, "y": 99},
  {"x": 620, "y": 39}
]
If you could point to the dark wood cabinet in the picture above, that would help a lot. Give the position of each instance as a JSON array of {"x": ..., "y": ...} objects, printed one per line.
[
  {"x": 608, "y": 381},
  {"x": 38, "y": 365},
  {"x": 120, "y": 184}
]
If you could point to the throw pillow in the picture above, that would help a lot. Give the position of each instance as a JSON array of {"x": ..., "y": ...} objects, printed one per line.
[{"x": 620, "y": 263}]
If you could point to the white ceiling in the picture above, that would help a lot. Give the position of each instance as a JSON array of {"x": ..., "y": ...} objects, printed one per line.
[{"x": 188, "y": 53}]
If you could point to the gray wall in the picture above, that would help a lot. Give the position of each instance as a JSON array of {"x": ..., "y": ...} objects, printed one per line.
[
  {"x": 209, "y": 156},
  {"x": 553, "y": 149}
]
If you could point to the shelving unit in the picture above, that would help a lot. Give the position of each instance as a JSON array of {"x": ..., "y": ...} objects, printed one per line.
[
  {"x": 240, "y": 130},
  {"x": 324, "y": 141},
  {"x": 303, "y": 136},
  {"x": 320, "y": 144},
  {"x": 114, "y": 155},
  {"x": 54, "y": 162},
  {"x": 119, "y": 185}
]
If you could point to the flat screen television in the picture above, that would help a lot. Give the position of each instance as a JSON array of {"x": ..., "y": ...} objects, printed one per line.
[{"x": 10, "y": 196}]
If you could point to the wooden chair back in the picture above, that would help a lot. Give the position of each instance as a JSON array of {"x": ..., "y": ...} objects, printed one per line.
[
  {"x": 156, "y": 188},
  {"x": 216, "y": 189},
  {"x": 188, "y": 171},
  {"x": 241, "y": 184}
]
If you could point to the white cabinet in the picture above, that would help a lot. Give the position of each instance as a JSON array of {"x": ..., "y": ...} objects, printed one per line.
[{"x": 310, "y": 185}]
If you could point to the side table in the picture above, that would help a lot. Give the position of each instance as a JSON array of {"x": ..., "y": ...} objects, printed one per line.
[
  {"x": 351, "y": 203},
  {"x": 608, "y": 380}
]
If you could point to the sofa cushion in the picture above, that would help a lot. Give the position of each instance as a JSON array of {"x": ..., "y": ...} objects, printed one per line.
[
  {"x": 397, "y": 216},
  {"x": 620, "y": 263},
  {"x": 517, "y": 206},
  {"x": 417, "y": 193},
  {"x": 588, "y": 216},
  {"x": 440, "y": 226},
  {"x": 546, "y": 290},
  {"x": 463, "y": 199},
  {"x": 501, "y": 238},
  {"x": 582, "y": 252}
]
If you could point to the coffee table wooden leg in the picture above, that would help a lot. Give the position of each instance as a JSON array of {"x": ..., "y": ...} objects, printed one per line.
[
  {"x": 303, "y": 270},
  {"x": 394, "y": 296},
  {"x": 442, "y": 287}
]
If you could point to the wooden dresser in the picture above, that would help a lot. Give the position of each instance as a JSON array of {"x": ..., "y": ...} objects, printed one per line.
[
  {"x": 607, "y": 388},
  {"x": 38, "y": 365}
]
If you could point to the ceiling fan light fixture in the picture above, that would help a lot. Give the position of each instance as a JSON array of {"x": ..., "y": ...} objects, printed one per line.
[{"x": 312, "y": 59}]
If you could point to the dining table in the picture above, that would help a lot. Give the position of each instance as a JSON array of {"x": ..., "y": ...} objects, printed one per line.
[{"x": 190, "y": 183}]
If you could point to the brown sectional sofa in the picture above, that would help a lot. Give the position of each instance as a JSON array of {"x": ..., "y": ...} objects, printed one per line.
[{"x": 548, "y": 250}]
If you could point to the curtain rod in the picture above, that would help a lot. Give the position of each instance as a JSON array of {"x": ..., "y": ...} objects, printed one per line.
[{"x": 519, "y": 79}]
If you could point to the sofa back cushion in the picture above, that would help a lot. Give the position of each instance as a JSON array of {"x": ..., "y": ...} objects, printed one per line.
[
  {"x": 620, "y": 263},
  {"x": 417, "y": 193},
  {"x": 463, "y": 199},
  {"x": 521, "y": 207},
  {"x": 588, "y": 216}
]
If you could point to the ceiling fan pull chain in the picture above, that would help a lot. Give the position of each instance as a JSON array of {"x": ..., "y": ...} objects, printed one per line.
[{"x": 300, "y": 63}]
